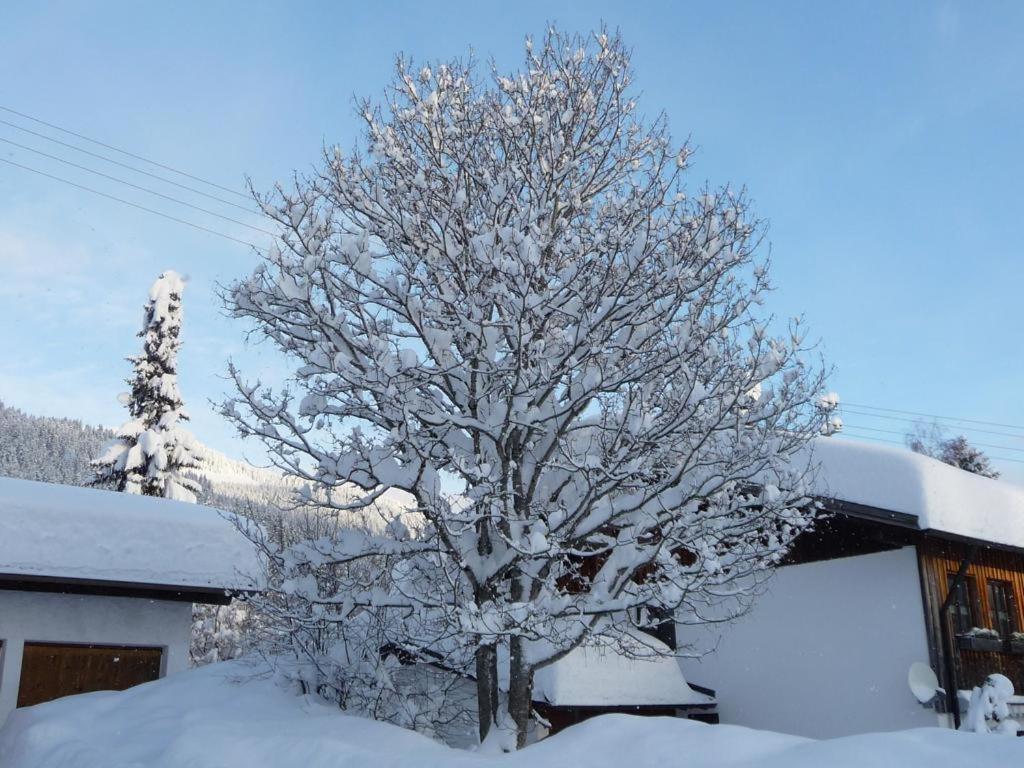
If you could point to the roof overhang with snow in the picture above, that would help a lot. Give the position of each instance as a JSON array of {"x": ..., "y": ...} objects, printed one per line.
[
  {"x": 644, "y": 673},
  {"x": 899, "y": 487},
  {"x": 83, "y": 540}
]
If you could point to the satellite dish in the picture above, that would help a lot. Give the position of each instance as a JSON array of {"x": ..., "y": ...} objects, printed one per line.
[{"x": 923, "y": 682}]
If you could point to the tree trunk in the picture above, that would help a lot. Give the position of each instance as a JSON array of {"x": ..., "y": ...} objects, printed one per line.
[
  {"x": 486, "y": 655},
  {"x": 520, "y": 691},
  {"x": 486, "y": 688}
]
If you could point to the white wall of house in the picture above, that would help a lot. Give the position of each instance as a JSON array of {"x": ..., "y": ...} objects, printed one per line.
[
  {"x": 55, "y": 618},
  {"x": 824, "y": 652}
]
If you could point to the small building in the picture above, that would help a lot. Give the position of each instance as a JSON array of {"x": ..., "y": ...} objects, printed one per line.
[
  {"x": 594, "y": 680},
  {"x": 97, "y": 587},
  {"x": 826, "y": 650}
]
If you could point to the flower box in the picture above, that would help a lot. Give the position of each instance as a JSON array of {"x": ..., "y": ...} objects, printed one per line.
[{"x": 981, "y": 643}]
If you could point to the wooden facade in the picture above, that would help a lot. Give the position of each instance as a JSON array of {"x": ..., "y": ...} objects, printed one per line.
[{"x": 990, "y": 571}]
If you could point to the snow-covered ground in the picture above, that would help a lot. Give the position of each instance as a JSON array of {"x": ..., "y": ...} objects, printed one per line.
[{"x": 205, "y": 719}]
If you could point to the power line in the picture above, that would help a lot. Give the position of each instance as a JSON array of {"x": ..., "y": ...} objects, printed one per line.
[
  {"x": 122, "y": 151},
  {"x": 125, "y": 165},
  {"x": 935, "y": 416},
  {"x": 894, "y": 432},
  {"x": 133, "y": 205},
  {"x": 897, "y": 442},
  {"x": 908, "y": 420},
  {"x": 868, "y": 437},
  {"x": 843, "y": 406},
  {"x": 138, "y": 187}
]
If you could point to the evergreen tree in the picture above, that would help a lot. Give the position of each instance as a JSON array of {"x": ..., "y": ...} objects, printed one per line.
[
  {"x": 960, "y": 453},
  {"x": 956, "y": 451},
  {"x": 150, "y": 451}
]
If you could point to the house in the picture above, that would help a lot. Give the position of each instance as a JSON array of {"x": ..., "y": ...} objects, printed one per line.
[
  {"x": 97, "y": 587},
  {"x": 912, "y": 560}
]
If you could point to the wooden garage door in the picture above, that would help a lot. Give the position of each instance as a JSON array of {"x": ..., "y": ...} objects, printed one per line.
[{"x": 49, "y": 670}]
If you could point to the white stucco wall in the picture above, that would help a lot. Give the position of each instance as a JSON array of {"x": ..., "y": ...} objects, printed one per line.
[
  {"x": 45, "y": 617},
  {"x": 824, "y": 652}
]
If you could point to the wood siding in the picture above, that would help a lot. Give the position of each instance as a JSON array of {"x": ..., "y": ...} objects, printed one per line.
[
  {"x": 49, "y": 670},
  {"x": 938, "y": 560}
]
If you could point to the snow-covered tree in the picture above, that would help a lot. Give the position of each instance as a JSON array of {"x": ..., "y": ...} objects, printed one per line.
[
  {"x": 151, "y": 450},
  {"x": 930, "y": 440},
  {"x": 508, "y": 306}
]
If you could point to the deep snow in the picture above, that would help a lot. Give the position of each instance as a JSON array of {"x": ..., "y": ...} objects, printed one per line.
[
  {"x": 595, "y": 675},
  {"x": 205, "y": 719},
  {"x": 85, "y": 533},
  {"x": 942, "y": 497}
]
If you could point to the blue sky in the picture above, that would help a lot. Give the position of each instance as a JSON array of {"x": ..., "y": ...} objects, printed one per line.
[{"x": 882, "y": 141}]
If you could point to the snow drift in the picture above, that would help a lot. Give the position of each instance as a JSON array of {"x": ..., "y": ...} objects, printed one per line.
[{"x": 206, "y": 718}]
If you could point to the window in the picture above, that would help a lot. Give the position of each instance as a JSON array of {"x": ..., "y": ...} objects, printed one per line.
[
  {"x": 1002, "y": 607},
  {"x": 964, "y": 608}
]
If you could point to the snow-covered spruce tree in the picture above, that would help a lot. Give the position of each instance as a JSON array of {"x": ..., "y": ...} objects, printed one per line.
[
  {"x": 151, "y": 450},
  {"x": 507, "y": 305}
]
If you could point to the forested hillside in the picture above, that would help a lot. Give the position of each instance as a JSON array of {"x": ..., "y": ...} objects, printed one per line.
[
  {"x": 45, "y": 448},
  {"x": 58, "y": 450}
]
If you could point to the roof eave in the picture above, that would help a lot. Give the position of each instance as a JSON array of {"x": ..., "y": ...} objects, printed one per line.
[
  {"x": 109, "y": 588},
  {"x": 905, "y": 520}
]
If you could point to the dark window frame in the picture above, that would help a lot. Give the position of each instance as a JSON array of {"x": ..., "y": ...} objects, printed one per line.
[
  {"x": 964, "y": 615},
  {"x": 1002, "y": 606}
]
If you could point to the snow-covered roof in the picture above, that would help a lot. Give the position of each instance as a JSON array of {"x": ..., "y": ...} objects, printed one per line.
[
  {"x": 601, "y": 675},
  {"x": 943, "y": 498},
  {"x": 61, "y": 531}
]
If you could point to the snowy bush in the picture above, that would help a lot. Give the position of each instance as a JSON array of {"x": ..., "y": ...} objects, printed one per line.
[
  {"x": 220, "y": 632},
  {"x": 989, "y": 710},
  {"x": 354, "y": 658}
]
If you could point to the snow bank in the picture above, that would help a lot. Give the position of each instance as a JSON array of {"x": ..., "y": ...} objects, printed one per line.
[
  {"x": 205, "y": 719},
  {"x": 202, "y": 719},
  {"x": 83, "y": 533},
  {"x": 942, "y": 498},
  {"x": 597, "y": 675}
]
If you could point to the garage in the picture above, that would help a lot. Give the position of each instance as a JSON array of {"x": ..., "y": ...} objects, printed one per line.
[
  {"x": 97, "y": 587},
  {"x": 52, "y": 670}
]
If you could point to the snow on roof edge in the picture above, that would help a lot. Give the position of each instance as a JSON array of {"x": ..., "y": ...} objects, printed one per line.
[
  {"x": 942, "y": 498},
  {"x": 596, "y": 675},
  {"x": 60, "y": 531}
]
